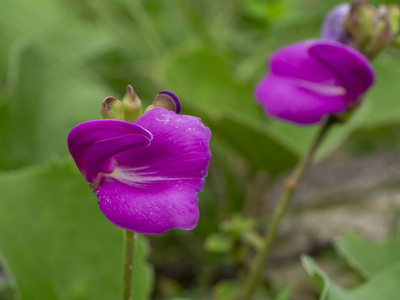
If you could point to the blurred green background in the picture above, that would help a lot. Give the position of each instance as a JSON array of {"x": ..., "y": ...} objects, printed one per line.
[{"x": 59, "y": 59}]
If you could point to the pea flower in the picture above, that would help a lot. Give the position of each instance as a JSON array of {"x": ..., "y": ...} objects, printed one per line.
[
  {"x": 146, "y": 174},
  {"x": 312, "y": 79}
]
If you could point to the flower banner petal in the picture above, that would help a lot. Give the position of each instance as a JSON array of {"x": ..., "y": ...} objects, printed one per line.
[{"x": 100, "y": 158}]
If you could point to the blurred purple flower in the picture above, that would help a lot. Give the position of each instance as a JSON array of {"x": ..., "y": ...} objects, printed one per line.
[
  {"x": 312, "y": 79},
  {"x": 333, "y": 27},
  {"x": 145, "y": 174}
]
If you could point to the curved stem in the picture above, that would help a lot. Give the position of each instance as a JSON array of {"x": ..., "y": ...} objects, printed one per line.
[
  {"x": 130, "y": 238},
  {"x": 284, "y": 201}
]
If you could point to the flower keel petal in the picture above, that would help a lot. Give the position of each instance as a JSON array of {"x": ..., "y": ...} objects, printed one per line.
[{"x": 101, "y": 154}]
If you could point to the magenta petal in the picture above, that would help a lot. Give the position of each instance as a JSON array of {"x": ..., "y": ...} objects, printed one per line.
[
  {"x": 83, "y": 136},
  {"x": 150, "y": 211},
  {"x": 100, "y": 158},
  {"x": 287, "y": 100},
  {"x": 351, "y": 68}
]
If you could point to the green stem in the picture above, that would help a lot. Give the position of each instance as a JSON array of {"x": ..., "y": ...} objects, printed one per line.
[
  {"x": 130, "y": 239},
  {"x": 280, "y": 209}
]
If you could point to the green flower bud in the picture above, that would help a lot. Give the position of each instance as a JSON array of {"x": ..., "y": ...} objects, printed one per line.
[
  {"x": 112, "y": 109},
  {"x": 132, "y": 105},
  {"x": 359, "y": 21},
  {"x": 382, "y": 33}
]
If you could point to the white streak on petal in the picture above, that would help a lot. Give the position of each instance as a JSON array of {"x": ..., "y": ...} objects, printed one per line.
[
  {"x": 136, "y": 176},
  {"x": 330, "y": 90}
]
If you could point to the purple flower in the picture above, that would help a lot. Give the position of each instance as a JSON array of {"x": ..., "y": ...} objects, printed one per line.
[
  {"x": 333, "y": 28},
  {"x": 312, "y": 79},
  {"x": 145, "y": 174}
]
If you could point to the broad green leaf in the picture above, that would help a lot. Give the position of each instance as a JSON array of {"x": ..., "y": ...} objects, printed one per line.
[
  {"x": 383, "y": 285},
  {"x": 328, "y": 289},
  {"x": 46, "y": 103},
  {"x": 366, "y": 257},
  {"x": 55, "y": 241}
]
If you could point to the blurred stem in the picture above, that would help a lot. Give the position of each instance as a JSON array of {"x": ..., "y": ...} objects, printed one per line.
[
  {"x": 130, "y": 239},
  {"x": 280, "y": 209}
]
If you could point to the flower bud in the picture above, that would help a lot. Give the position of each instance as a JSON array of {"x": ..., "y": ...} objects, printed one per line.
[
  {"x": 382, "y": 33},
  {"x": 112, "y": 109},
  {"x": 363, "y": 26},
  {"x": 132, "y": 106},
  {"x": 167, "y": 100},
  {"x": 333, "y": 27},
  {"x": 359, "y": 22}
]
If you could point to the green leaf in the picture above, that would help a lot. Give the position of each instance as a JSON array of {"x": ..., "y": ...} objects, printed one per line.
[
  {"x": 48, "y": 100},
  {"x": 55, "y": 241},
  {"x": 383, "y": 285},
  {"x": 366, "y": 257},
  {"x": 328, "y": 289}
]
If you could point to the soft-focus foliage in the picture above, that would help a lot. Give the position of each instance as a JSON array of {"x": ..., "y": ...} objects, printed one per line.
[
  {"x": 59, "y": 59},
  {"x": 57, "y": 244}
]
